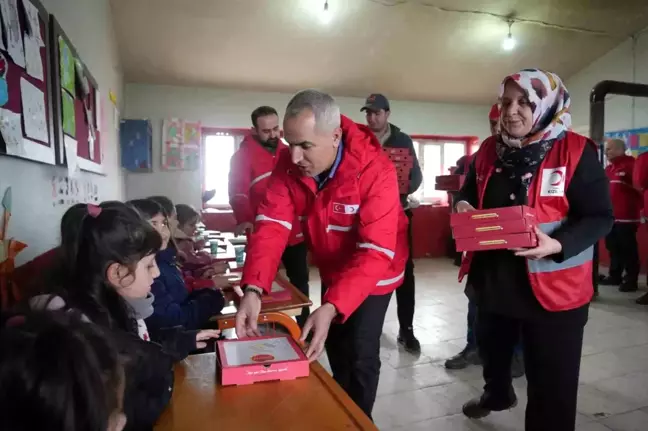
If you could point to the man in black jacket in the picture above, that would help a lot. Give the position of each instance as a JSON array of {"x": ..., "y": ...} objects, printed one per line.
[{"x": 377, "y": 111}]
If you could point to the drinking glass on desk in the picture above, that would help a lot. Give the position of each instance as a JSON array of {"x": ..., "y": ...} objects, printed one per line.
[{"x": 239, "y": 252}]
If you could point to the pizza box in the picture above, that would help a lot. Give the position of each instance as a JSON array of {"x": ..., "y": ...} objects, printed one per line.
[
  {"x": 494, "y": 214},
  {"x": 523, "y": 225},
  {"x": 450, "y": 183},
  {"x": 396, "y": 151},
  {"x": 497, "y": 242},
  {"x": 260, "y": 359}
]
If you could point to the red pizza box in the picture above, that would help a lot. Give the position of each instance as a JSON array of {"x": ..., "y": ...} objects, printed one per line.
[
  {"x": 404, "y": 164},
  {"x": 397, "y": 158},
  {"x": 451, "y": 183},
  {"x": 403, "y": 187},
  {"x": 396, "y": 151},
  {"x": 493, "y": 215},
  {"x": 497, "y": 242},
  {"x": 260, "y": 359},
  {"x": 494, "y": 228}
]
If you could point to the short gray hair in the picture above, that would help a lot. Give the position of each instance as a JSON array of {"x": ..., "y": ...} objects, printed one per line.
[
  {"x": 619, "y": 143},
  {"x": 322, "y": 105}
]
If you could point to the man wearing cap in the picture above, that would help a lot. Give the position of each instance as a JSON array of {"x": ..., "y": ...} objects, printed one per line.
[{"x": 377, "y": 113}]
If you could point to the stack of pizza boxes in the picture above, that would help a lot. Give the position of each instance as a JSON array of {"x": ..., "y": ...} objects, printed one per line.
[
  {"x": 494, "y": 229},
  {"x": 403, "y": 161}
]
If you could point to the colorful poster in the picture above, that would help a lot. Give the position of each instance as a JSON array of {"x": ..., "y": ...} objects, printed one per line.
[
  {"x": 635, "y": 139},
  {"x": 181, "y": 142},
  {"x": 191, "y": 133},
  {"x": 69, "y": 119},
  {"x": 67, "y": 66}
]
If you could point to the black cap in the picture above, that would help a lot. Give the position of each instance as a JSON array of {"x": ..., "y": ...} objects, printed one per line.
[{"x": 376, "y": 102}]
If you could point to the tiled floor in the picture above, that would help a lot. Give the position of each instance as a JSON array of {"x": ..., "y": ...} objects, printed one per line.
[{"x": 418, "y": 393}]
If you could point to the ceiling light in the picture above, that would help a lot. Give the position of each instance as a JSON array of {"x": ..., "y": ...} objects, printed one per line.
[
  {"x": 509, "y": 43},
  {"x": 325, "y": 16}
]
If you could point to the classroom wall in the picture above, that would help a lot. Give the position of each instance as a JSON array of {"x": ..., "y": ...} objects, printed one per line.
[
  {"x": 35, "y": 219},
  {"x": 231, "y": 108},
  {"x": 627, "y": 62}
]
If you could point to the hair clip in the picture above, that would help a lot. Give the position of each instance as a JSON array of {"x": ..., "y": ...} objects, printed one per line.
[
  {"x": 94, "y": 210},
  {"x": 15, "y": 321}
]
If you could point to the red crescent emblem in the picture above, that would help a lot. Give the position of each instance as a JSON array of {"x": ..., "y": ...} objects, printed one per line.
[{"x": 560, "y": 176}]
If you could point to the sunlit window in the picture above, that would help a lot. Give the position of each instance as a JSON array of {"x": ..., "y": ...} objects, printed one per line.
[
  {"x": 219, "y": 149},
  {"x": 436, "y": 158}
]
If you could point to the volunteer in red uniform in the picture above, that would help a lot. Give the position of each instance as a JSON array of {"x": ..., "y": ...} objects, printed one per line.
[
  {"x": 250, "y": 170},
  {"x": 542, "y": 293},
  {"x": 470, "y": 355},
  {"x": 640, "y": 182},
  {"x": 621, "y": 242},
  {"x": 344, "y": 192}
]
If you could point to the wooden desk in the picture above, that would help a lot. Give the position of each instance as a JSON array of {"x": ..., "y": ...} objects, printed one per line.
[
  {"x": 315, "y": 402},
  {"x": 292, "y": 307}
]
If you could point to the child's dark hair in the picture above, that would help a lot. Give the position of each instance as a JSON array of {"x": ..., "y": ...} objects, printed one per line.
[
  {"x": 57, "y": 373},
  {"x": 147, "y": 208},
  {"x": 165, "y": 203},
  {"x": 186, "y": 214},
  {"x": 110, "y": 233}
]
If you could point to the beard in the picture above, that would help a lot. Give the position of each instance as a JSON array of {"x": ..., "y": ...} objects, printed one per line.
[{"x": 270, "y": 143}]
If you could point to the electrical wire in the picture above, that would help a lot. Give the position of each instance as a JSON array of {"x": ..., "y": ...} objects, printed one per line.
[{"x": 391, "y": 3}]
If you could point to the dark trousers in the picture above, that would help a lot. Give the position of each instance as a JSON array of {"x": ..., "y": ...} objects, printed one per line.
[
  {"x": 471, "y": 333},
  {"x": 353, "y": 350},
  {"x": 552, "y": 354},
  {"x": 405, "y": 294},
  {"x": 621, "y": 243},
  {"x": 295, "y": 260}
]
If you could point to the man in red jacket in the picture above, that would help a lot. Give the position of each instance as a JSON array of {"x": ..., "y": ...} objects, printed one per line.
[
  {"x": 626, "y": 201},
  {"x": 250, "y": 170},
  {"x": 640, "y": 182},
  {"x": 344, "y": 192}
]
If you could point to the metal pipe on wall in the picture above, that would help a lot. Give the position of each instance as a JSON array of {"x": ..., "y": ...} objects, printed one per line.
[{"x": 597, "y": 128}]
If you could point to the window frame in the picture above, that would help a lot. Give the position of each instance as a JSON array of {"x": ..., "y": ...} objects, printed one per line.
[
  {"x": 211, "y": 131},
  {"x": 471, "y": 145}
]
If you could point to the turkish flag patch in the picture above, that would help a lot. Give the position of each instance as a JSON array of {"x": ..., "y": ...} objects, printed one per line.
[{"x": 345, "y": 208}]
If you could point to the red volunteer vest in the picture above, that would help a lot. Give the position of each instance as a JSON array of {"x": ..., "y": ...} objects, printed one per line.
[{"x": 557, "y": 286}]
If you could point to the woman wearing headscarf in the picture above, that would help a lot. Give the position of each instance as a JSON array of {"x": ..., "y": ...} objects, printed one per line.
[{"x": 541, "y": 293}]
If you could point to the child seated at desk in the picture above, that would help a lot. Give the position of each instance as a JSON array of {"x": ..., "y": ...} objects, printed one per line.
[
  {"x": 193, "y": 258},
  {"x": 106, "y": 276},
  {"x": 174, "y": 305},
  {"x": 59, "y": 373}
]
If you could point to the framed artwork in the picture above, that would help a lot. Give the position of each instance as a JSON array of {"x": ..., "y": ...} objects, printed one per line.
[
  {"x": 26, "y": 105},
  {"x": 76, "y": 104}
]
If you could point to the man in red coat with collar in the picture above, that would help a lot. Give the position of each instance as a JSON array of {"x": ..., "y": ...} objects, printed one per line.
[
  {"x": 341, "y": 187},
  {"x": 621, "y": 242},
  {"x": 250, "y": 170}
]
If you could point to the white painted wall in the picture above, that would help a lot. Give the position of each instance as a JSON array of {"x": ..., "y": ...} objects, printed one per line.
[
  {"x": 624, "y": 63},
  {"x": 35, "y": 220},
  {"x": 231, "y": 108}
]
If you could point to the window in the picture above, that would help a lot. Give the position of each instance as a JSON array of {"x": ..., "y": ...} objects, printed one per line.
[
  {"x": 436, "y": 158},
  {"x": 219, "y": 149}
]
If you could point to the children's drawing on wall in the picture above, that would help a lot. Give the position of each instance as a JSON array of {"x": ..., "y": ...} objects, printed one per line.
[
  {"x": 13, "y": 34},
  {"x": 67, "y": 66},
  {"x": 33, "y": 101},
  {"x": 181, "y": 145},
  {"x": 4, "y": 89},
  {"x": 68, "y": 191},
  {"x": 69, "y": 120}
]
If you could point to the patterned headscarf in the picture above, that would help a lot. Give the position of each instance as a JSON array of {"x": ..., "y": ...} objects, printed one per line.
[
  {"x": 549, "y": 101},
  {"x": 520, "y": 158}
]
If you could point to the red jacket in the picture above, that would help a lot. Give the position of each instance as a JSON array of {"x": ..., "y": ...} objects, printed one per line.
[
  {"x": 354, "y": 226},
  {"x": 640, "y": 178},
  {"x": 250, "y": 170},
  {"x": 626, "y": 200},
  {"x": 558, "y": 286}
]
